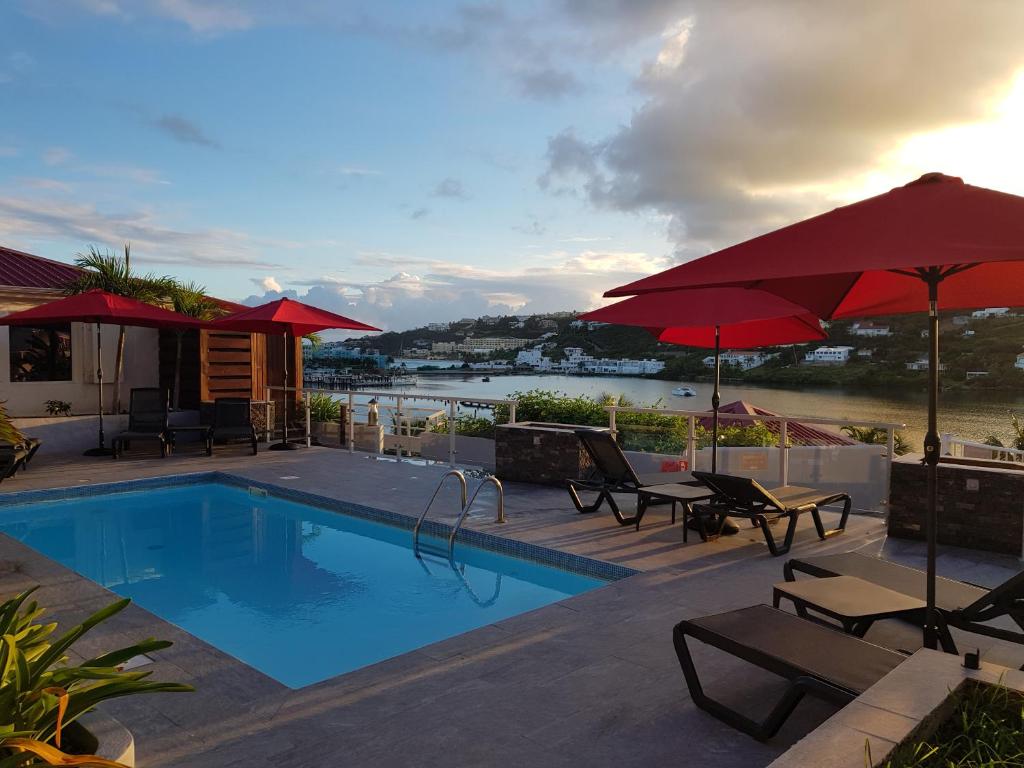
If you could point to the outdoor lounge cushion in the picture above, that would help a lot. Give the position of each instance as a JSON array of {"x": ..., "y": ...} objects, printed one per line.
[{"x": 814, "y": 658}]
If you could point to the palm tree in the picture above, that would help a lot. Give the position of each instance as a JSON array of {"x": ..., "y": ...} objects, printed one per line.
[
  {"x": 878, "y": 436},
  {"x": 112, "y": 273},
  {"x": 190, "y": 299}
]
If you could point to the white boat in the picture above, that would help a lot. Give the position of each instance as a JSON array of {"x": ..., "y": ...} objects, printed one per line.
[{"x": 684, "y": 392}]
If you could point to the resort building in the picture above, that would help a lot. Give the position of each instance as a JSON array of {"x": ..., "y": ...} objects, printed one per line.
[
  {"x": 988, "y": 312},
  {"x": 474, "y": 345},
  {"x": 443, "y": 347},
  {"x": 870, "y": 329},
  {"x": 829, "y": 355},
  {"x": 339, "y": 352},
  {"x": 742, "y": 360},
  {"x": 921, "y": 364},
  {"x": 438, "y": 326}
]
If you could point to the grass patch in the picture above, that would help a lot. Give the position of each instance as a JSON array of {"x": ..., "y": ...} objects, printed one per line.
[{"x": 984, "y": 729}]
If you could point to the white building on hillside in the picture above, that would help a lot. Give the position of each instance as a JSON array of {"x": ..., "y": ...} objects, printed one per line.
[
  {"x": 438, "y": 326},
  {"x": 1020, "y": 361},
  {"x": 921, "y": 364},
  {"x": 870, "y": 329},
  {"x": 743, "y": 360},
  {"x": 830, "y": 355},
  {"x": 991, "y": 312}
]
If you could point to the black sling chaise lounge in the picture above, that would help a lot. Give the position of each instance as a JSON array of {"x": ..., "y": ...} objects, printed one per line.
[
  {"x": 147, "y": 420},
  {"x": 232, "y": 420},
  {"x": 965, "y": 606},
  {"x": 612, "y": 473},
  {"x": 815, "y": 660},
  {"x": 763, "y": 506}
]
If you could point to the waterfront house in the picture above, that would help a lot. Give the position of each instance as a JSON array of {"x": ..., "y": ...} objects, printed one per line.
[
  {"x": 829, "y": 355},
  {"x": 1020, "y": 361},
  {"x": 870, "y": 329},
  {"x": 921, "y": 364},
  {"x": 988, "y": 312},
  {"x": 744, "y": 360}
]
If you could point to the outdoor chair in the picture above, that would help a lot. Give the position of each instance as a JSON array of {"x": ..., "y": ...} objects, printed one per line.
[
  {"x": 12, "y": 458},
  {"x": 958, "y": 604},
  {"x": 147, "y": 420},
  {"x": 612, "y": 473},
  {"x": 744, "y": 496},
  {"x": 814, "y": 659},
  {"x": 232, "y": 420}
]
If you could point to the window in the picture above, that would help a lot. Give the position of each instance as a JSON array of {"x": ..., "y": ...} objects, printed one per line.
[{"x": 41, "y": 354}]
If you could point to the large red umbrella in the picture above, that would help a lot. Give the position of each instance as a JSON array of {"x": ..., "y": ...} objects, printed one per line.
[
  {"x": 286, "y": 316},
  {"x": 885, "y": 255},
  {"x": 713, "y": 318},
  {"x": 100, "y": 307}
]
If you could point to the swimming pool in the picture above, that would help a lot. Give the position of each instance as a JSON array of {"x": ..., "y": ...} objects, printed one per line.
[{"x": 299, "y": 592}]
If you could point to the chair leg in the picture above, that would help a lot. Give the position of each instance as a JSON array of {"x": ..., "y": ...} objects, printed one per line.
[
  {"x": 840, "y": 527},
  {"x": 585, "y": 509},
  {"x": 765, "y": 729},
  {"x": 769, "y": 539}
]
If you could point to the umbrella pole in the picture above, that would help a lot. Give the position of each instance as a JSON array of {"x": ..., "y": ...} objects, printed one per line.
[
  {"x": 931, "y": 450},
  {"x": 102, "y": 450},
  {"x": 716, "y": 400},
  {"x": 284, "y": 445}
]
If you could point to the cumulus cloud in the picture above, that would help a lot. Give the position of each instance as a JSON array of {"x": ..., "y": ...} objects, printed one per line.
[
  {"x": 184, "y": 130},
  {"x": 420, "y": 290},
  {"x": 267, "y": 283},
  {"x": 548, "y": 83},
  {"x": 754, "y": 114},
  {"x": 451, "y": 188}
]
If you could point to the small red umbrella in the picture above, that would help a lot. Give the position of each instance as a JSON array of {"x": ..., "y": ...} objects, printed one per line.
[
  {"x": 286, "y": 316},
  {"x": 714, "y": 318},
  {"x": 885, "y": 255},
  {"x": 100, "y": 307}
]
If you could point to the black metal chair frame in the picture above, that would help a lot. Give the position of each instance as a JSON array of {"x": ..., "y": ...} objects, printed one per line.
[
  {"x": 144, "y": 424},
  {"x": 223, "y": 407},
  {"x": 800, "y": 682},
  {"x": 1007, "y": 599},
  {"x": 744, "y": 496},
  {"x": 625, "y": 480},
  {"x": 12, "y": 458}
]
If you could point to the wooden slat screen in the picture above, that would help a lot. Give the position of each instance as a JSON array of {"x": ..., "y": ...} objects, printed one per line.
[{"x": 227, "y": 364}]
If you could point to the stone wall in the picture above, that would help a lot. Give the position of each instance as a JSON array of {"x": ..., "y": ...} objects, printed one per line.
[
  {"x": 978, "y": 507},
  {"x": 533, "y": 452}
]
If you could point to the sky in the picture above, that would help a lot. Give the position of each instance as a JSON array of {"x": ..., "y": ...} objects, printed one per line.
[{"x": 410, "y": 162}]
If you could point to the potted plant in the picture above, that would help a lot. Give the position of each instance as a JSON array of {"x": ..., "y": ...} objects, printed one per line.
[
  {"x": 58, "y": 407},
  {"x": 324, "y": 415},
  {"x": 42, "y": 696}
]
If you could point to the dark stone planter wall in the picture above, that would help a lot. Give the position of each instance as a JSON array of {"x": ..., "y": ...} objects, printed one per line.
[
  {"x": 532, "y": 452},
  {"x": 978, "y": 507}
]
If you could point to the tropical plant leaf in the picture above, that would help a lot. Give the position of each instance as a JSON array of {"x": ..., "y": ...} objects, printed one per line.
[{"x": 54, "y": 756}]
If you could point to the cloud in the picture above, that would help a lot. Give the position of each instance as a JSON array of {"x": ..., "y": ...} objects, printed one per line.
[
  {"x": 185, "y": 131},
  {"x": 548, "y": 83},
  {"x": 419, "y": 213},
  {"x": 155, "y": 242},
  {"x": 57, "y": 155},
  {"x": 9, "y": 151},
  {"x": 267, "y": 283},
  {"x": 421, "y": 290},
  {"x": 756, "y": 114},
  {"x": 450, "y": 188},
  {"x": 356, "y": 171},
  {"x": 533, "y": 228}
]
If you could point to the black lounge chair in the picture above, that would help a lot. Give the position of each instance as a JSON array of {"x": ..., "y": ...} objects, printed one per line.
[
  {"x": 147, "y": 420},
  {"x": 232, "y": 420},
  {"x": 815, "y": 660},
  {"x": 12, "y": 458},
  {"x": 612, "y": 473},
  {"x": 763, "y": 506},
  {"x": 959, "y": 604}
]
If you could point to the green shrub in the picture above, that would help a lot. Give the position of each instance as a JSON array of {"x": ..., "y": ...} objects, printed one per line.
[
  {"x": 323, "y": 407},
  {"x": 469, "y": 426},
  {"x": 40, "y": 694}
]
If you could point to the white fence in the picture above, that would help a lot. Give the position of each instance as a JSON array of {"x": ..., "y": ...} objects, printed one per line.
[{"x": 951, "y": 445}]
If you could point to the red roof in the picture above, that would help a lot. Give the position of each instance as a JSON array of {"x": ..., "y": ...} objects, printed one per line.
[
  {"x": 23, "y": 270},
  {"x": 797, "y": 433}
]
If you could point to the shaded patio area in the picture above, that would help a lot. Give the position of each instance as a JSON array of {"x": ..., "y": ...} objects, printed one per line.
[{"x": 592, "y": 680}]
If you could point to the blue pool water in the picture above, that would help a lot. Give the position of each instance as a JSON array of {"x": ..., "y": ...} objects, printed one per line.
[{"x": 298, "y": 592}]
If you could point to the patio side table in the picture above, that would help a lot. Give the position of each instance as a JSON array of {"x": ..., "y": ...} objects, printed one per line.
[
  {"x": 674, "y": 493},
  {"x": 856, "y": 604}
]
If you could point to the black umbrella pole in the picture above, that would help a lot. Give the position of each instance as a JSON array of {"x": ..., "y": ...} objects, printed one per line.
[
  {"x": 716, "y": 400},
  {"x": 284, "y": 445},
  {"x": 931, "y": 452},
  {"x": 102, "y": 449}
]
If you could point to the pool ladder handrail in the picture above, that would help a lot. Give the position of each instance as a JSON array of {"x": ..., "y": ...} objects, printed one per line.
[
  {"x": 419, "y": 523},
  {"x": 490, "y": 479}
]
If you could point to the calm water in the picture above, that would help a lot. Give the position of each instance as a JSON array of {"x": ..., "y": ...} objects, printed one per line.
[
  {"x": 973, "y": 415},
  {"x": 300, "y": 593}
]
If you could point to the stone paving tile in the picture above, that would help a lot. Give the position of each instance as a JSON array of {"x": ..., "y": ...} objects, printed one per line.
[{"x": 590, "y": 680}]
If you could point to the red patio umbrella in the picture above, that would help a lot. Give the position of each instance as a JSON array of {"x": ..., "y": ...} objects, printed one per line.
[
  {"x": 286, "y": 316},
  {"x": 100, "y": 307},
  {"x": 714, "y": 318},
  {"x": 889, "y": 254}
]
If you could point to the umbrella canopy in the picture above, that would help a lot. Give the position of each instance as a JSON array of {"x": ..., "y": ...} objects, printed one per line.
[
  {"x": 98, "y": 306},
  {"x": 287, "y": 316},
  {"x": 889, "y": 254},
  {"x": 715, "y": 318},
  {"x": 867, "y": 258},
  {"x": 743, "y": 318}
]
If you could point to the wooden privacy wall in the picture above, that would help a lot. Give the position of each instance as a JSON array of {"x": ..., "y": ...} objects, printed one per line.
[
  {"x": 189, "y": 366},
  {"x": 232, "y": 365}
]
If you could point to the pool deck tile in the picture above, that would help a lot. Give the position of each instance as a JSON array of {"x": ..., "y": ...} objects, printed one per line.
[{"x": 592, "y": 680}]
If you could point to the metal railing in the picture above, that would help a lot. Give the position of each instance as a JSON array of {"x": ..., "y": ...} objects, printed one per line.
[
  {"x": 423, "y": 515},
  {"x": 951, "y": 445}
]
